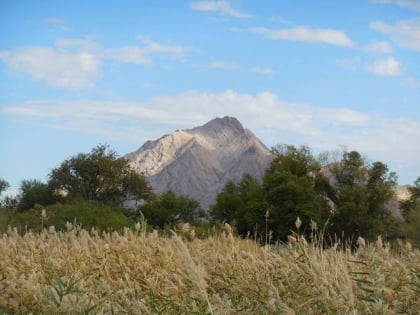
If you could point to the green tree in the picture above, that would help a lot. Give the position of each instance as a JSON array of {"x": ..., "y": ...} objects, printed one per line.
[
  {"x": 411, "y": 203},
  {"x": 294, "y": 187},
  {"x": 242, "y": 205},
  {"x": 410, "y": 210},
  {"x": 360, "y": 193},
  {"x": 170, "y": 209},
  {"x": 228, "y": 203},
  {"x": 34, "y": 192},
  {"x": 99, "y": 175}
]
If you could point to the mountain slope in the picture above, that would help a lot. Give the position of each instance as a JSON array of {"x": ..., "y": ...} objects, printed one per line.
[{"x": 199, "y": 161}]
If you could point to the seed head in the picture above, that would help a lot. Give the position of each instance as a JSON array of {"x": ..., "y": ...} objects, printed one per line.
[{"x": 298, "y": 223}]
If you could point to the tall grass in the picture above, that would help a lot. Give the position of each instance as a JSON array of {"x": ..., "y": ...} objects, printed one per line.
[{"x": 139, "y": 272}]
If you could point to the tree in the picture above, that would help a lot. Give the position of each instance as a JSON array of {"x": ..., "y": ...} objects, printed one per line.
[
  {"x": 99, "y": 175},
  {"x": 34, "y": 192},
  {"x": 3, "y": 185},
  {"x": 294, "y": 187},
  {"x": 360, "y": 193},
  {"x": 411, "y": 203},
  {"x": 228, "y": 203},
  {"x": 242, "y": 205},
  {"x": 410, "y": 210},
  {"x": 170, "y": 209}
]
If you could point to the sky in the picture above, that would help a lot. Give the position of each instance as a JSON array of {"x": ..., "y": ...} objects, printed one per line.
[{"x": 328, "y": 74}]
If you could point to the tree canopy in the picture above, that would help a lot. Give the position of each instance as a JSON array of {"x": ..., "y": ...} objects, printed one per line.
[
  {"x": 170, "y": 209},
  {"x": 34, "y": 192},
  {"x": 293, "y": 185},
  {"x": 351, "y": 195},
  {"x": 99, "y": 175},
  {"x": 242, "y": 205},
  {"x": 360, "y": 192}
]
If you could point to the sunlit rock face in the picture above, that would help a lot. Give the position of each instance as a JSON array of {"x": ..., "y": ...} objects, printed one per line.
[{"x": 198, "y": 162}]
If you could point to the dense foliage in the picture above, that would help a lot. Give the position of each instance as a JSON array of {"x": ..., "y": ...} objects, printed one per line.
[
  {"x": 170, "y": 209},
  {"x": 346, "y": 198},
  {"x": 243, "y": 205},
  {"x": 99, "y": 175}
]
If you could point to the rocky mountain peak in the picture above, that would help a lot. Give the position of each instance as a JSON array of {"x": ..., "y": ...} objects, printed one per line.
[
  {"x": 199, "y": 161},
  {"x": 217, "y": 124}
]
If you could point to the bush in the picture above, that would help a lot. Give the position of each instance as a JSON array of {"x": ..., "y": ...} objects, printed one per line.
[{"x": 86, "y": 213}]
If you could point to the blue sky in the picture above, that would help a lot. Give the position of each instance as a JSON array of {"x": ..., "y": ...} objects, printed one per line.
[{"x": 74, "y": 74}]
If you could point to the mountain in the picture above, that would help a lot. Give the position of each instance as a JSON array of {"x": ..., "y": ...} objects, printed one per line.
[{"x": 198, "y": 162}]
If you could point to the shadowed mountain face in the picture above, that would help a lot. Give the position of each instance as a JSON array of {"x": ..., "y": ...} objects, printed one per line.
[{"x": 198, "y": 162}]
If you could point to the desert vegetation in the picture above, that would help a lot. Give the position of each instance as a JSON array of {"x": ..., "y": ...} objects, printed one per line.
[{"x": 138, "y": 271}]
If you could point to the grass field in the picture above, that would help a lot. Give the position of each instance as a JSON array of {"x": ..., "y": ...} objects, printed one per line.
[{"x": 139, "y": 272}]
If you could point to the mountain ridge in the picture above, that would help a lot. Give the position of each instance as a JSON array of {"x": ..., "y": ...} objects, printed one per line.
[{"x": 198, "y": 161}]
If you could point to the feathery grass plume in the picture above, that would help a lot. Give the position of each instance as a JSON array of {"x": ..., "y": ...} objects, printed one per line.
[
  {"x": 298, "y": 223},
  {"x": 80, "y": 271},
  {"x": 195, "y": 273},
  {"x": 361, "y": 242}
]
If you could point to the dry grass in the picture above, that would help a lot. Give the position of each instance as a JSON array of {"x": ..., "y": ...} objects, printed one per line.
[{"x": 136, "y": 272}]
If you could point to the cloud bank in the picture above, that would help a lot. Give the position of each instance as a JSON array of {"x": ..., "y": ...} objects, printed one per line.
[{"x": 272, "y": 119}]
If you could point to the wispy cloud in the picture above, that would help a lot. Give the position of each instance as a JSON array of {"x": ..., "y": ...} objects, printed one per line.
[
  {"x": 388, "y": 66},
  {"x": 76, "y": 63},
  {"x": 58, "y": 69},
  {"x": 262, "y": 70},
  {"x": 271, "y": 118},
  {"x": 55, "y": 23},
  {"x": 409, "y": 4},
  {"x": 379, "y": 48},
  {"x": 405, "y": 33},
  {"x": 144, "y": 54},
  {"x": 225, "y": 65},
  {"x": 221, "y": 7},
  {"x": 306, "y": 34}
]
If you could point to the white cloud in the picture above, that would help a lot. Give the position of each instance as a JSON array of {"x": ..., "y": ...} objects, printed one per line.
[
  {"x": 410, "y": 4},
  {"x": 75, "y": 63},
  {"x": 262, "y": 70},
  {"x": 379, "y": 48},
  {"x": 388, "y": 66},
  {"x": 405, "y": 33},
  {"x": 306, "y": 34},
  {"x": 58, "y": 69},
  {"x": 221, "y": 7},
  {"x": 143, "y": 54},
  {"x": 272, "y": 119},
  {"x": 225, "y": 65},
  {"x": 129, "y": 54},
  {"x": 55, "y": 23},
  {"x": 263, "y": 110}
]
